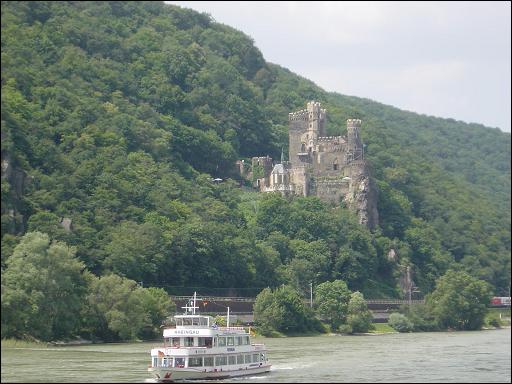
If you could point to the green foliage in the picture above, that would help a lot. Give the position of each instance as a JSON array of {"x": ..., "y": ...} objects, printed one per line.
[
  {"x": 42, "y": 290},
  {"x": 283, "y": 310},
  {"x": 221, "y": 321},
  {"x": 119, "y": 309},
  {"x": 332, "y": 301},
  {"x": 345, "y": 328},
  {"x": 422, "y": 318},
  {"x": 400, "y": 322},
  {"x": 497, "y": 317},
  {"x": 459, "y": 301},
  {"x": 158, "y": 305},
  {"x": 359, "y": 316},
  {"x": 136, "y": 251},
  {"x": 257, "y": 172}
]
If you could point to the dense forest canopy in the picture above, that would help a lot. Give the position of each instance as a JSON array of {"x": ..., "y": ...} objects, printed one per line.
[{"x": 118, "y": 115}]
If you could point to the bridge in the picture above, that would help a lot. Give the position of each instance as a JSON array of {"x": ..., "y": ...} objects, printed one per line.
[{"x": 241, "y": 308}]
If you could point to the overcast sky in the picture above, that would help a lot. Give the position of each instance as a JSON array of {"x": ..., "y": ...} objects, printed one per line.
[{"x": 446, "y": 59}]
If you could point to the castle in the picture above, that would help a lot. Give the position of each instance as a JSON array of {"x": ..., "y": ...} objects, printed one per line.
[{"x": 330, "y": 167}]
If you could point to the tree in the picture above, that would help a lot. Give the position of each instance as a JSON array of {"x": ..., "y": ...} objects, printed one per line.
[
  {"x": 118, "y": 308},
  {"x": 310, "y": 263},
  {"x": 157, "y": 304},
  {"x": 42, "y": 290},
  {"x": 331, "y": 302},
  {"x": 136, "y": 251},
  {"x": 359, "y": 316},
  {"x": 283, "y": 310},
  {"x": 459, "y": 301}
]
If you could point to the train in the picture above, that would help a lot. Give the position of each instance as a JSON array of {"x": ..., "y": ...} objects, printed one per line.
[{"x": 500, "y": 301}]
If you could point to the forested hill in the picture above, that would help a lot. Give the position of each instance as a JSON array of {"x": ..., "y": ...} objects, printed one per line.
[{"x": 117, "y": 115}]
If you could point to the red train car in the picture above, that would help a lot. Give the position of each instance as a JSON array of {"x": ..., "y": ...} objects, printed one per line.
[{"x": 500, "y": 301}]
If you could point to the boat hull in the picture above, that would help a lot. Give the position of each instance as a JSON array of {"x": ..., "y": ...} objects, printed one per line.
[{"x": 163, "y": 375}]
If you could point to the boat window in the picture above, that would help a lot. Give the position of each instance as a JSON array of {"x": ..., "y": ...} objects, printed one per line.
[
  {"x": 246, "y": 340},
  {"x": 187, "y": 321},
  {"x": 247, "y": 359},
  {"x": 167, "y": 362},
  {"x": 204, "y": 342},
  {"x": 255, "y": 358},
  {"x": 239, "y": 340},
  {"x": 189, "y": 341},
  {"x": 232, "y": 360},
  {"x": 231, "y": 340},
  {"x": 208, "y": 361},
  {"x": 262, "y": 357},
  {"x": 195, "y": 321},
  {"x": 155, "y": 362},
  {"x": 240, "y": 359},
  {"x": 179, "y": 322},
  {"x": 195, "y": 361},
  {"x": 203, "y": 321},
  {"x": 175, "y": 341},
  {"x": 179, "y": 362},
  {"x": 222, "y": 341},
  {"x": 221, "y": 360}
]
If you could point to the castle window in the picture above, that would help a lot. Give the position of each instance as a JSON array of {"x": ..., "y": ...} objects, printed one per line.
[
  {"x": 303, "y": 147},
  {"x": 335, "y": 165}
]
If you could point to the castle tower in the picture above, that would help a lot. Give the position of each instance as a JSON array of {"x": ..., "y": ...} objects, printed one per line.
[
  {"x": 354, "y": 144},
  {"x": 316, "y": 119},
  {"x": 305, "y": 126}
]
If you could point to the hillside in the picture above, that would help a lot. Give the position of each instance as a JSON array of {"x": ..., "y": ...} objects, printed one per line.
[{"x": 117, "y": 115}]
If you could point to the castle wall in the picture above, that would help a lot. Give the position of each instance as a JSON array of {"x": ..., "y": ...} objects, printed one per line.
[
  {"x": 297, "y": 126},
  {"x": 266, "y": 164},
  {"x": 331, "y": 190},
  {"x": 300, "y": 178}
]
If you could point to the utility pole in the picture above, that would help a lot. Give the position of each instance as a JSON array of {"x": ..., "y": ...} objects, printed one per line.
[
  {"x": 311, "y": 294},
  {"x": 409, "y": 285}
]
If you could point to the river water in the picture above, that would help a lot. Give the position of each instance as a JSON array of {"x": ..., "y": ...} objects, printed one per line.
[{"x": 482, "y": 356}]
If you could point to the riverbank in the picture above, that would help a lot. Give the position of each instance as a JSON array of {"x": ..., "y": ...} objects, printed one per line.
[
  {"x": 20, "y": 343},
  {"x": 14, "y": 343}
]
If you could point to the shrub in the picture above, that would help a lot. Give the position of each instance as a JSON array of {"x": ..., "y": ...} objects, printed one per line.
[
  {"x": 400, "y": 323},
  {"x": 345, "y": 328}
]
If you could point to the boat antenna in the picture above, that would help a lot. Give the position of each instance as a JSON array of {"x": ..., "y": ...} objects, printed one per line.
[{"x": 193, "y": 307}]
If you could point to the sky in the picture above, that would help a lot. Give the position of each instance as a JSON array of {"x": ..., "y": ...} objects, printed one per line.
[{"x": 444, "y": 59}]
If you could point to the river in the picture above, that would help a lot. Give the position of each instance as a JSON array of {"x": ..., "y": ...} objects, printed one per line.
[{"x": 481, "y": 356}]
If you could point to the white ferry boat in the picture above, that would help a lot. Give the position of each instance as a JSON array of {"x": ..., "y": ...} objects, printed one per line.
[{"x": 196, "y": 348}]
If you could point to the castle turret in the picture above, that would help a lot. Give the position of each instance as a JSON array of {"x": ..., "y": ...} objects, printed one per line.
[
  {"x": 316, "y": 119},
  {"x": 305, "y": 127},
  {"x": 354, "y": 144}
]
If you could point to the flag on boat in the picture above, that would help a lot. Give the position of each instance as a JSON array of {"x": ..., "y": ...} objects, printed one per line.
[{"x": 161, "y": 354}]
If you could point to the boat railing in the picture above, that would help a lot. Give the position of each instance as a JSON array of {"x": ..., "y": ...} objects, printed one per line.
[
  {"x": 187, "y": 347},
  {"x": 231, "y": 328}
]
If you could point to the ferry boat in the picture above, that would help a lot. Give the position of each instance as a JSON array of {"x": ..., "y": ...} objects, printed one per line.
[{"x": 196, "y": 348}]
